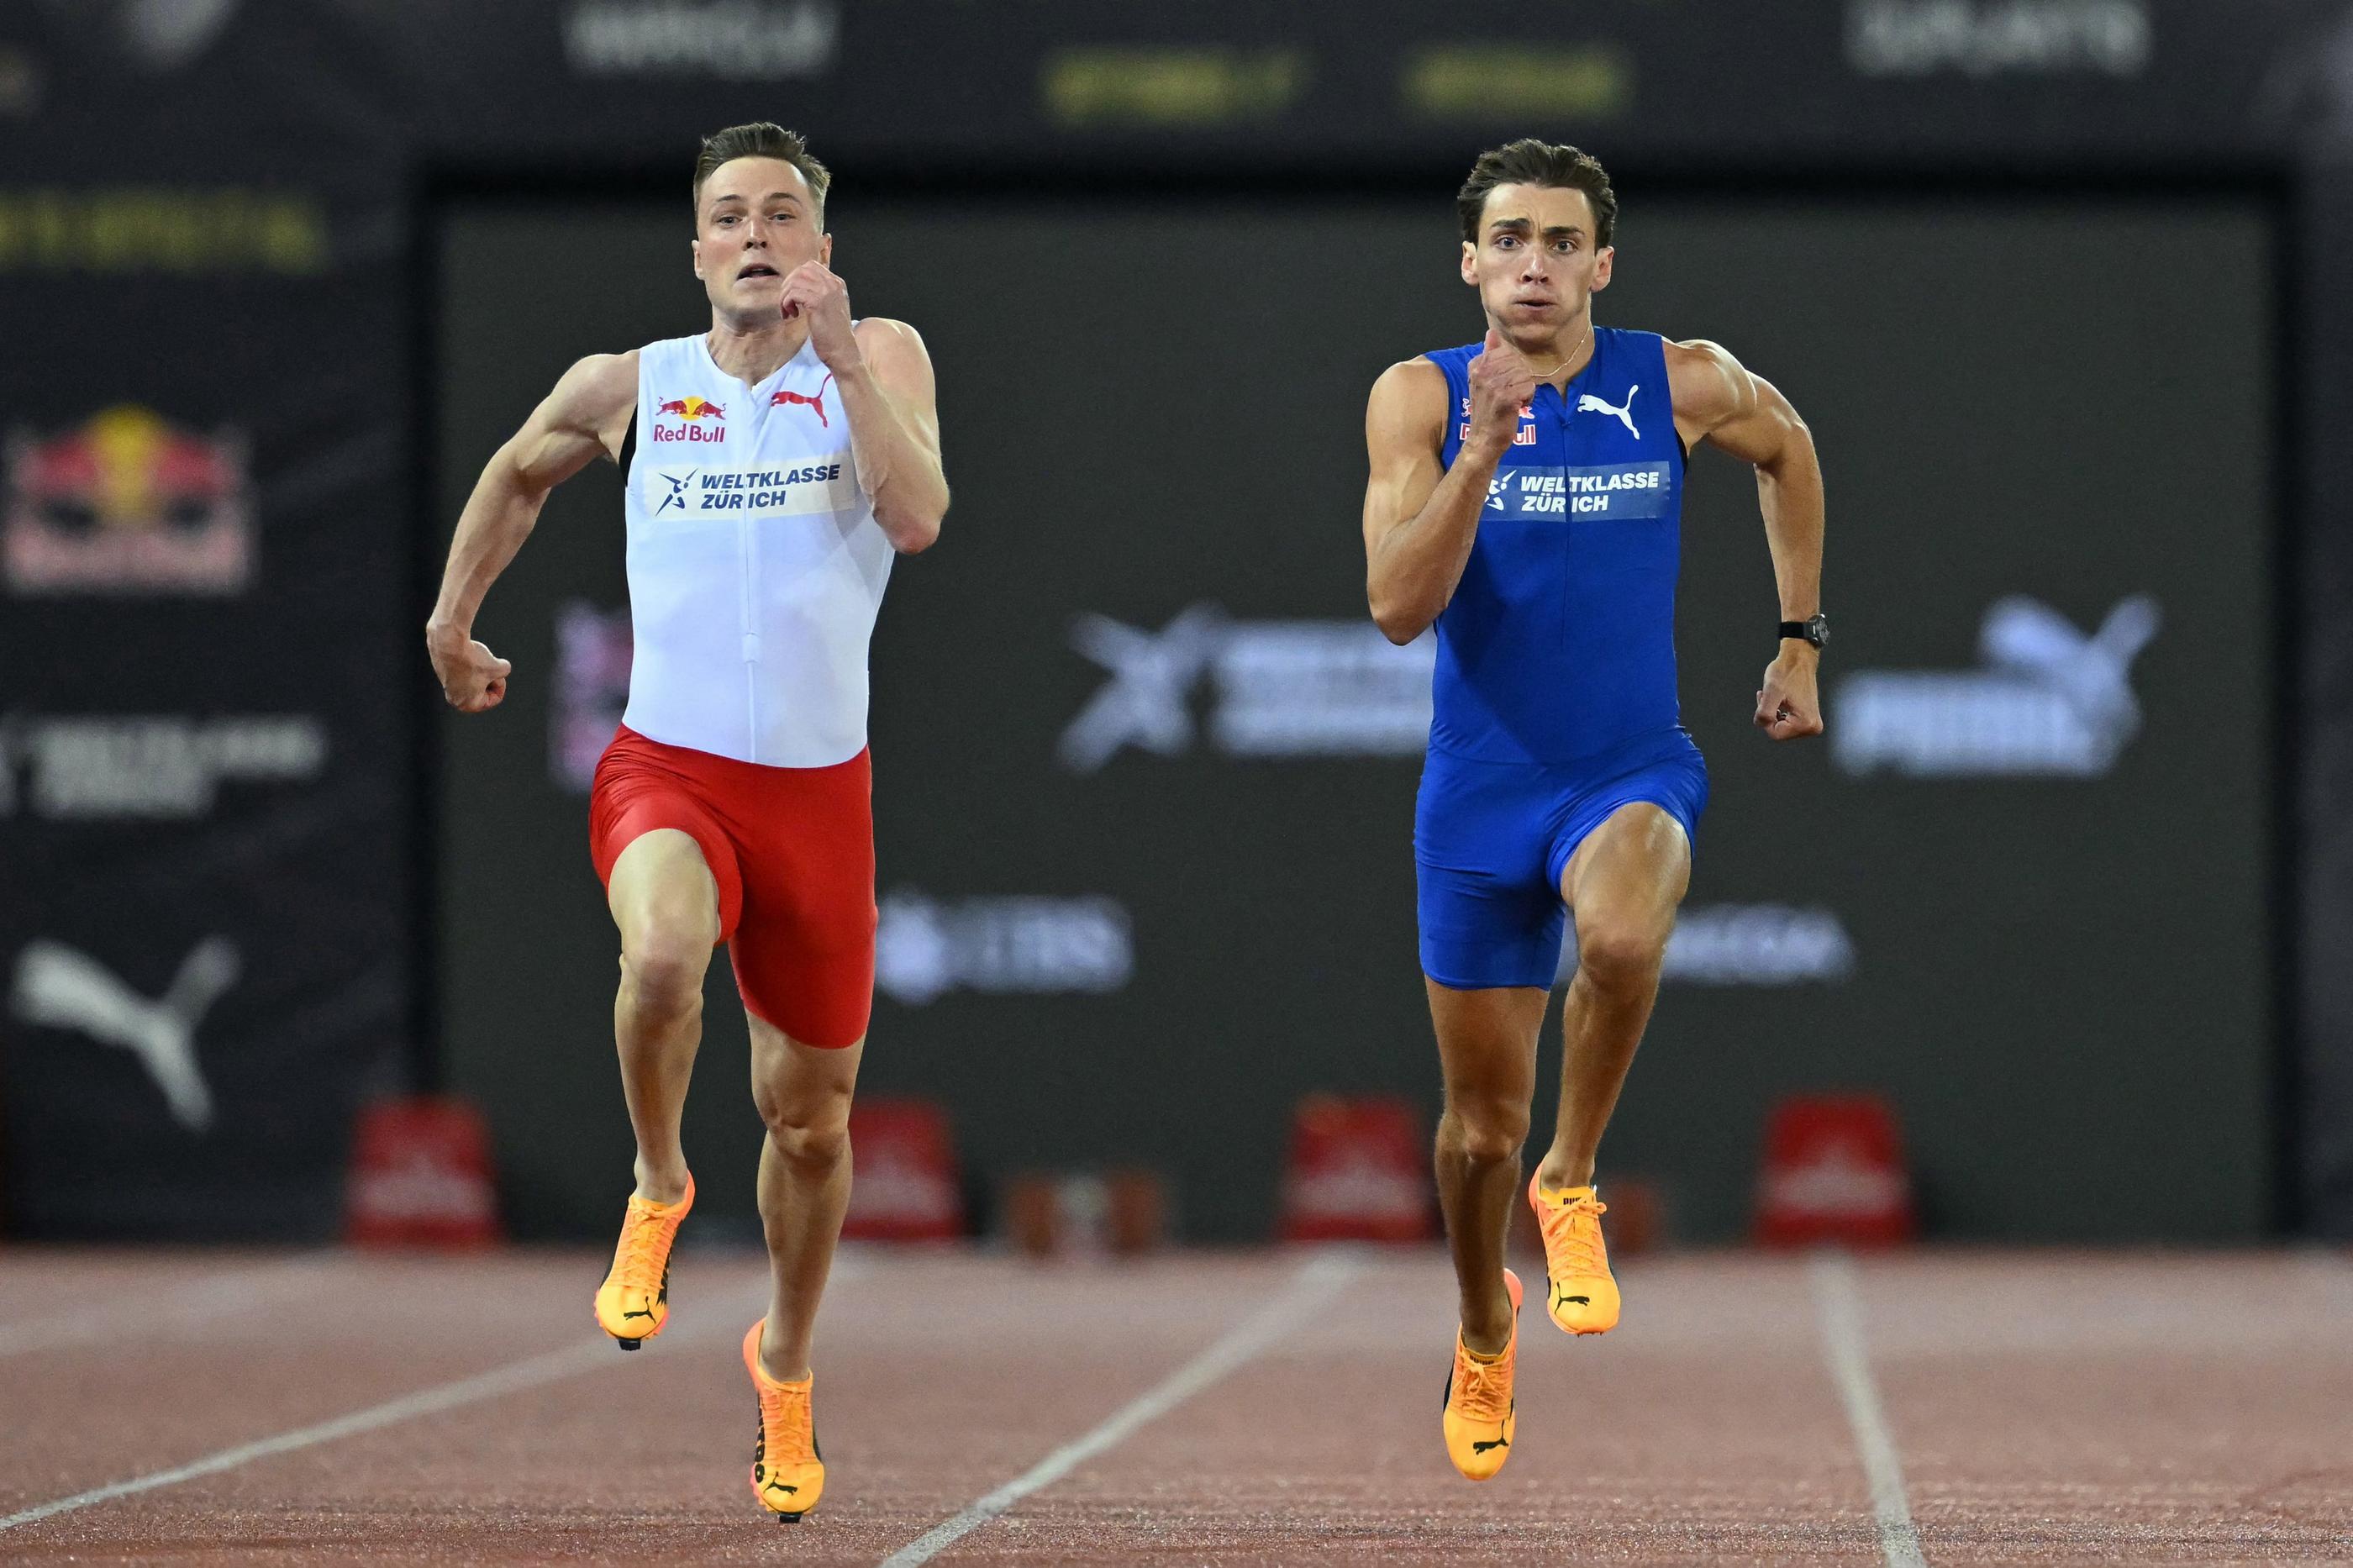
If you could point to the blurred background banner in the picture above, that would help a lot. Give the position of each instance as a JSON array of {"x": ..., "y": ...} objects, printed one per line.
[
  {"x": 206, "y": 604},
  {"x": 1063, "y": 82},
  {"x": 2058, "y": 283}
]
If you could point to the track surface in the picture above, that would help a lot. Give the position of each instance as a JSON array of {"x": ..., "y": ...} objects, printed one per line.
[{"x": 2041, "y": 1408}]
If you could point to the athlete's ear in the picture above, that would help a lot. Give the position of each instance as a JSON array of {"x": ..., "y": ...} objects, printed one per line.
[
  {"x": 694, "y": 247},
  {"x": 825, "y": 251},
  {"x": 1470, "y": 264},
  {"x": 1602, "y": 258}
]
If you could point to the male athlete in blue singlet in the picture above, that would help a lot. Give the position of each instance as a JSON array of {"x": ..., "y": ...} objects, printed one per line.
[{"x": 1525, "y": 499}]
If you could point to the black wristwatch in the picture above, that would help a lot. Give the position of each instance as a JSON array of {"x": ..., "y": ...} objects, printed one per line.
[{"x": 1816, "y": 629}]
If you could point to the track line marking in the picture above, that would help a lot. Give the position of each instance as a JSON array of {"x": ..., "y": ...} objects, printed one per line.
[
  {"x": 226, "y": 1292},
  {"x": 1308, "y": 1290},
  {"x": 1849, "y": 1354},
  {"x": 548, "y": 1367}
]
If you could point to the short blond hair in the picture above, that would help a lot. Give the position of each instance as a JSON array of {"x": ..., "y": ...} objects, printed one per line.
[{"x": 760, "y": 139}]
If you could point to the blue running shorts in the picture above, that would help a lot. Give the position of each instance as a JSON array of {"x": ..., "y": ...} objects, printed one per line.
[{"x": 1492, "y": 839}]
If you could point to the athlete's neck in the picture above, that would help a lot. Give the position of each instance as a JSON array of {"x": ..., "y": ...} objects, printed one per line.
[
  {"x": 750, "y": 349},
  {"x": 1557, "y": 356}
]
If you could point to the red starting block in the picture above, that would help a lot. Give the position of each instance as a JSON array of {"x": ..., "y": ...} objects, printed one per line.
[
  {"x": 421, "y": 1176},
  {"x": 1358, "y": 1170},
  {"x": 905, "y": 1186},
  {"x": 1086, "y": 1213},
  {"x": 1834, "y": 1171}
]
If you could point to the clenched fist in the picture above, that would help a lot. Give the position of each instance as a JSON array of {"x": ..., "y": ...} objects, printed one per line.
[
  {"x": 1500, "y": 385},
  {"x": 472, "y": 678},
  {"x": 814, "y": 292},
  {"x": 1788, "y": 707}
]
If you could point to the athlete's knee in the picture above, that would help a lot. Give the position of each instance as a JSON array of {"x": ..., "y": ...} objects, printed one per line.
[
  {"x": 1489, "y": 1132},
  {"x": 810, "y": 1132},
  {"x": 1621, "y": 954},
  {"x": 664, "y": 971}
]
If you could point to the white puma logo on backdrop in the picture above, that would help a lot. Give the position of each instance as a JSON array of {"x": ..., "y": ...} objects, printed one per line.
[
  {"x": 60, "y": 988},
  {"x": 2049, "y": 700},
  {"x": 1585, "y": 400}
]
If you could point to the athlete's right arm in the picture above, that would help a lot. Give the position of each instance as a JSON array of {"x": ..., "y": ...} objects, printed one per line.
[
  {"x": 587, "y": 413},
  {"x": 1421, "y": 518}
]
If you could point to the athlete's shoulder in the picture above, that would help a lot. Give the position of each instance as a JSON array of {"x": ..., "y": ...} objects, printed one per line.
[
  {"x": 893, "y": 348},
  {"x": 598, "y": 384},
  {"x": 1412, "y": 391},
  {"x": 883, "y": 329},
  {"x": 895, "y": 353},
  {"x": 1705, "y": 378}
]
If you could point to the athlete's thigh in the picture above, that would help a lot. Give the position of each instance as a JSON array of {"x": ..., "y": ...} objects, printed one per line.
[
  {"x": 1487, "y": 1039},
  {"x": 1484, "y": 906},
  {"x": 800, "y": 1085},
  {"x": 804, "y": 948},
  {"x": 663, "y": 887},
  {"x": 1630, "y": 873}
]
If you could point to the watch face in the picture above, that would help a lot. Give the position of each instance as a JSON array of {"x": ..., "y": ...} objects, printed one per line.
[{"x": 1818, "y": 630}]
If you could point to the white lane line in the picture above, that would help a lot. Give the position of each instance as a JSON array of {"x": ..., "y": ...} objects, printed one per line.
[
  {"x": 1849, "y": 1354},
  {"x": 190, "y": 1305},
  {"x": 1309, "y": 1289},
  {"x": 570, "y": 1362}
]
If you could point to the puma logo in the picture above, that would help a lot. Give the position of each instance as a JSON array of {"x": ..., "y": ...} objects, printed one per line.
[
  {"x": 60, "y": 988},
  {"x": 2050, "y": 699},
  {"x": 1625, "y": 416},
  {"x": 1498, "y": 1443},
  {"x": 786, "y": 399}
]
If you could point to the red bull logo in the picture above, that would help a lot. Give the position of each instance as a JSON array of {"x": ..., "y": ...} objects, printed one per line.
[
  {"x": 127, "y": 502},
  {"x": 694, "y": 410},
  {"x": 787, "y": 399}
]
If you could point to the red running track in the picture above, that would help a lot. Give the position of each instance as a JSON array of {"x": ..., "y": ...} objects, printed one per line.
[{"x": 1204, "y": 1408}]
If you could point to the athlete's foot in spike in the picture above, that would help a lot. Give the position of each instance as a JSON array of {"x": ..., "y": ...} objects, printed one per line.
[
  {"x": 633, "y": 1303},
  {"x": 1481, "y": 1416},
  {"x": 787, "y": 1469},
  {"x": 1580, "y": 1294}
]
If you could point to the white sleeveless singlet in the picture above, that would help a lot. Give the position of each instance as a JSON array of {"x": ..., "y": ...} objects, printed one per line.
[{"x": 755, "y": 565}]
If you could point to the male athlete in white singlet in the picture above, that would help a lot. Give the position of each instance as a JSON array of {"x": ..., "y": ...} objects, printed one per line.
[{"x": 781, "y": 460}]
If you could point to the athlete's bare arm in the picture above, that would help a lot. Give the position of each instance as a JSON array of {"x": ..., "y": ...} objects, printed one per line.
[
  {"x": 588, "y": 412},
  {"x": 1421, "y": 517},
  {"x": 1717, "y": 400},
  {"x": 884, "y": 375}
]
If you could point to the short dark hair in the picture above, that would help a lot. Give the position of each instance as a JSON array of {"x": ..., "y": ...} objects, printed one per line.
[
  {"x": 1529, "y": 161},
  {"x": 761, "y": 140}
]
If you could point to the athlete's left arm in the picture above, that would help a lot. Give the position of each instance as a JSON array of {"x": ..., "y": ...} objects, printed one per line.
[
  {"x": 1717, "y": 400},
  {"x": 893, "y": 405}
]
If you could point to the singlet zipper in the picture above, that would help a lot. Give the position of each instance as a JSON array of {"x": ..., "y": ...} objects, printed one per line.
[{"x": 748, "y": 557}]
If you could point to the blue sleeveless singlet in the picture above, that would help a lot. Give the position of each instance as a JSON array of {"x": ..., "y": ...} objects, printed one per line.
[{"x": 1553, "y": 700}]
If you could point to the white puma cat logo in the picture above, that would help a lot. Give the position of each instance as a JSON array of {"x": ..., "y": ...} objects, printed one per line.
[
  {"x": 60, "y": 988},
  {"x": 1624, "y": 415}
]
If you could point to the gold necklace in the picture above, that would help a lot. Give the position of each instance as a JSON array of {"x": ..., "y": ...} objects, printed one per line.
[{"x": 1548, "y": 374}]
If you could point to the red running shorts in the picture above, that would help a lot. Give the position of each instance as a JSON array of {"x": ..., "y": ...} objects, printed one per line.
[{"x": 793, "y": 852}]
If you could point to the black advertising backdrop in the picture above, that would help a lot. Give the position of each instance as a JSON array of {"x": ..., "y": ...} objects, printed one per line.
[
  {"x": 1133, "y": 903},
  {"x": 205, "y": 817},
  {"x": 202, "y": 215}
]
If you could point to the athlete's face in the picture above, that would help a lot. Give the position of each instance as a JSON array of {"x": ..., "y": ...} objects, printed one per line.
[
  {"x": 1535, "y": 264},
  {"x": 758, "y": 222}
]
